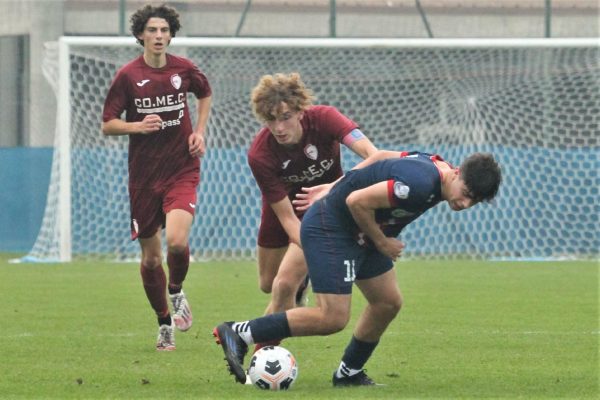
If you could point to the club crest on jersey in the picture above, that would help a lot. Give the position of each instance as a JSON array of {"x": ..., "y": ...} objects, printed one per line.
[
  {"x": 401, "y": 190},
  {"x": 311, "y": 151},
  {"x": 176, "y": 81}
]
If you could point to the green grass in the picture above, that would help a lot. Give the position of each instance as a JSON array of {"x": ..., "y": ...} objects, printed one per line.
[{"x": 467, "y": 330}]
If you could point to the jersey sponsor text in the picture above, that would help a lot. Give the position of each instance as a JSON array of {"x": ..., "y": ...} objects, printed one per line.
[
  {"x": 158, "y": 104},
  {"x": 311, "y": 173}
]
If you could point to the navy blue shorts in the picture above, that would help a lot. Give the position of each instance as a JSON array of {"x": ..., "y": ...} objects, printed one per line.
[{"x": 334, "y": 257}]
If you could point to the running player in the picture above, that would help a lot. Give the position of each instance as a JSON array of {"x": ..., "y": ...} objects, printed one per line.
[{"x": 164, "y": 165}]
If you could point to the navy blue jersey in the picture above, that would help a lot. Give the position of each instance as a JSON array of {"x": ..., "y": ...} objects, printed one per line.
[{"x": 414, "y": 186}]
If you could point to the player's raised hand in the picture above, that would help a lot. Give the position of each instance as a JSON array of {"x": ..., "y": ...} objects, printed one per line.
[
  {"x": 150, "y": 124},
  {"x": 390, "y": 247},
  {"x": 196, "y": 144},
  {"x": 309, "y": 195}
]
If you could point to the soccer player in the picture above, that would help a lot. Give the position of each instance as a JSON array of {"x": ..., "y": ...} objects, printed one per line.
[
  {"x": 164, "y": 165},
  {"x": 298, "y": 146},
  {"x": 349, "y": 236}
]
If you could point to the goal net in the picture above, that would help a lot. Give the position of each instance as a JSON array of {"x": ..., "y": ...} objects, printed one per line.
[{"x": 534, "y": 103}]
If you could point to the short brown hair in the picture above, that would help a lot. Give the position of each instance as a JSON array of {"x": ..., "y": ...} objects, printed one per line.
[
  {"x": 272, "y": 90},
  {"x": 140, "y": 18}
]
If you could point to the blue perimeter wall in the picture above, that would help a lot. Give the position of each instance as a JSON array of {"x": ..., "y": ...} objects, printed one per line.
[
  {"x": 540, "y": 213},
  {"x": 24, "y": 177}
]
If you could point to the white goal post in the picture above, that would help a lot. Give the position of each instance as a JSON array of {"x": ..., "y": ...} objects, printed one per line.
[{"x": 535, "y": 103}]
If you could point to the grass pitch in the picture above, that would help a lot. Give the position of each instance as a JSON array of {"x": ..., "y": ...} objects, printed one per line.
[{"x": 468, "y": 329}]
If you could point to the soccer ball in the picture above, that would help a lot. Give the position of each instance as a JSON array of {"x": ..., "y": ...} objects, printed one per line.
[{"x": 273, "y": 368}]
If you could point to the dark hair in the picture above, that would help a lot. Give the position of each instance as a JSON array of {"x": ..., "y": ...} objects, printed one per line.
[
  {"x": 482, "y": 176},
  {"x": 141, "y": 17}
]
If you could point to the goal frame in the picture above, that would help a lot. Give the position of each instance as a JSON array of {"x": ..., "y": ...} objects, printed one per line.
[{"x": 63, "y": 121}]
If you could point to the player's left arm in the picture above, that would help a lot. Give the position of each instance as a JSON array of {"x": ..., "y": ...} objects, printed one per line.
[
  {"x": 196, "y": 141},
  {"x": 359, "y": 143},
  {"x": 355, "y": 141},
  {"x": 309, "y": 195}
]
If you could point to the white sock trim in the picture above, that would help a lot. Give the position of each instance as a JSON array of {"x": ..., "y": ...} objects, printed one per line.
[
  {"x": 243, "y": 329},
  {"x": 344, "y": 372}
]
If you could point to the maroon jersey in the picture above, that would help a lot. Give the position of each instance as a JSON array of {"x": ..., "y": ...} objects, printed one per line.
[
  {"x": 282, "y": 170},
  {"x": 157, "y": 159}
]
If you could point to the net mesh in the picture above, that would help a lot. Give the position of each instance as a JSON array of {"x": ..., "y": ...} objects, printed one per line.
[{"x": 536, "y": 109}]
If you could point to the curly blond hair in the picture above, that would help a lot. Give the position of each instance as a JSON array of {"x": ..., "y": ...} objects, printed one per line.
[{"x": 272, "y": 90}]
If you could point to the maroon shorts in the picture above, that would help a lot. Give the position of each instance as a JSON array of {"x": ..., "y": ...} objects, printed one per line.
[
  {"x": 149, "y": 207},
  {"x": 271, "y": 233}
]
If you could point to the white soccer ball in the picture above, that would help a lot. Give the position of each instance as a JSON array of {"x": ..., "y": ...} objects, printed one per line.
[{"x": 273, "y": 368}]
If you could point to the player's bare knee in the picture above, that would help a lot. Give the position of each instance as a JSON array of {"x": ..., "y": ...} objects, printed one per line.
[
  {"x": 394, "y": 308},
  {"x": 266, "y": 286},
  {"x": 391, "y": 307},
  {"x": 151, "y": 261},
  {"x": 398, "y": 302},
  {"x": 333, "y": 326},
  {"x": 177, "y": 247},
  {"x": 284, "y": 287},
  {"x": 333, "y": 322}
]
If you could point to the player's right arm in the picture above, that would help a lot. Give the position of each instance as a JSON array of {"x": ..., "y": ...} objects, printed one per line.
[
  {"x": 116, "y": 126},
  {"x": 362, "y": 204},
  {"x": 116, "y": 102},
  {"x": 287, "y": 218},
  {"x": 274, "y": 191}
]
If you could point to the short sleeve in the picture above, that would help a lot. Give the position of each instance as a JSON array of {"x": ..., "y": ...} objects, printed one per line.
[
  {"x": 269, "y": 183},
  {"x": 199, "y": 84},
  {"x": 116, "y": 98},
  {"x": 331, "y": 121}
]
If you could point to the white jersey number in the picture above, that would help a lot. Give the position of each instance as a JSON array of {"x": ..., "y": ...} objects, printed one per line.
[{"x": 350, "y": 273}]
